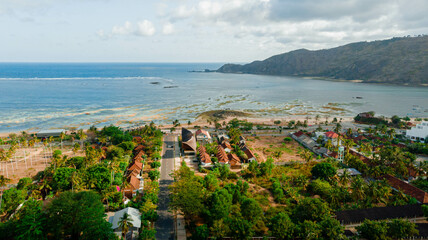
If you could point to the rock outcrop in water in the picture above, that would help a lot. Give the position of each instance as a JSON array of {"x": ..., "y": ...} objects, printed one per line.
[{"x": 401, "y": 61}]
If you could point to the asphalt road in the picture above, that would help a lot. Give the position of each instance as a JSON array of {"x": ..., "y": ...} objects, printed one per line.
[{"x": 165, "y": 223}]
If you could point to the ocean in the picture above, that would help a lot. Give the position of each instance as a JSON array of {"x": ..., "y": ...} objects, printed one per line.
[{"x": 36, "y": 96}]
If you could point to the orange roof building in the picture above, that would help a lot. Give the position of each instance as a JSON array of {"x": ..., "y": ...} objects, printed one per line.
[
  {"x": 205, "y": 158},
  {"x": 221, "y": 155},
  {"x": 234, "y": 161},
  {"x": 331, "y": 134}
]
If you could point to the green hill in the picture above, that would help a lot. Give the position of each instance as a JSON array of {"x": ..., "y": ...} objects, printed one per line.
[{"x": 397, "y": 61}]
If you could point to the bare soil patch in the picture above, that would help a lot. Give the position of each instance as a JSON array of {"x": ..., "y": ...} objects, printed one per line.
[{"x": 275, "y": 147}]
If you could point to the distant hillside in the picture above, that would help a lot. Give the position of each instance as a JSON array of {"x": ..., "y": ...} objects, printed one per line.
[{"x": 396, "y": 61}]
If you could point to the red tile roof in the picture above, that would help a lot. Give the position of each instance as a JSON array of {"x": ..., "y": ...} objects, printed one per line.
[
  {"x": 234, "y": 160},
  {"x": 139, "y": 156},
  {"x": 136, "y": 165},
  {"x": 134, "y": 182},
  {"x": 200, "y": 131},
  {"x": 299, "y": 133},
  {"x": 331, "y": 134},
  {"x": 226, "y": 144},
  {"x": 221, "y": 155},
  {"x": 205, "y": 158},
  {"x": 139, "y": 148},
  {"x": 408, "y": 189}
]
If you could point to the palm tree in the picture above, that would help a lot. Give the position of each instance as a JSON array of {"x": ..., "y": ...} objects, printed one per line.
[
  {"x": 328, "y": 144},
  {"x": 45, "y": 188},
  {"x": 391, "y": 134},
  {"x": 317, "y": 117},
  {"x": 62, "y": 136},
  {"x": 357, "y": 187},
  {"x": 348, "y": 143},
  {"x": 338, "y": 128},
  {"x": 344, "y": 178},
  {"x": 349, "y": 132},
  {"x": 306, "y": 155},
  {"x": 82, "y": 136},
  {"x": 125, "y": 223},
  {"x": 76, "y": 181}
]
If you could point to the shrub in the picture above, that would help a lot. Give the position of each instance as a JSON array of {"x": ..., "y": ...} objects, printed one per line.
[
  {"x": 323, "y": 170},
  {"x": 154, "y": 174},
  {"x": 155, "y": 164}
]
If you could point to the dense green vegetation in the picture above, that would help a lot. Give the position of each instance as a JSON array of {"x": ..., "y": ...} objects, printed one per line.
[
  {"x": 397, "y": 61},
  {"x": 83, "y": 188}
]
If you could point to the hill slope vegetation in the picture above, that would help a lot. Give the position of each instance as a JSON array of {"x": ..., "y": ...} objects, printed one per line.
[{"x": 401, "y": 61}]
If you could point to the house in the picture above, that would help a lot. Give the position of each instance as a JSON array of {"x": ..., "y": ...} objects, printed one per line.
[
  {"x": 241, "y": 140},
  {"x": 227, "y": 147},
  {"x": 221, "y": 155},
  {"x": 135, "y": 217},
  {"x": 331, "y": 135},
  {"x": 139, "y": 156},
  {"x": 188, "y": 142},
  {"x": 204, "y": 157},
  {"x": 247, "y": 152},
  {"x": 136, "y": 166},
  {"x": 203, "y": 136},
  {"x": 234, "y": 161},
  {"x": 136, "y": 185},
  {"x": 50, "y": 133},
  {"x": 418, "y": 133},
  {"x": 406, "y": 188},
  {"x": 365, "y": 115},
  {"x": 223, "y": 137}
]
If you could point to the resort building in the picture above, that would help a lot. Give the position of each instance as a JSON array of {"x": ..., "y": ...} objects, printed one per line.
[
  {"x": 418, "y": 133},
  {"x": 221, "y": 155},
  {"x": 188, "y": 142},
  {"x": 205, "y": 159},
  {"x": 227, "y": 147},
  {"x": 134, "y": 214},
  {"x": 234, "y": 161},
  {"x": 203, "y": 136},
  {"x": 50, "y": 133}
]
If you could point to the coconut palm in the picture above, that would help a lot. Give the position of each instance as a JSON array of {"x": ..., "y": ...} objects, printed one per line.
[
  {"x": 344, "y": 178},
  {"x": 82, "y": 136},
  {"x": 328, "y": 144},
  {"x": 348, "y": 143},
  {"x": 358, "y": 187},
  {"x": 391, "y": 134},
  {"x": 306, "y": 155},
  {"x": 125, "y": 223},
  {"x": 61, "y": 136},
  {"x": 338, "y": 128},
  {"x": 44, "y": 188},
  {"x": 76, "y": 181},
  {"x": 349, "y": 132}
]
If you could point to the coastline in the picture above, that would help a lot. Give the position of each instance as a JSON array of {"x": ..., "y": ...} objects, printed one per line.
[{"x": 256, "y": 120}]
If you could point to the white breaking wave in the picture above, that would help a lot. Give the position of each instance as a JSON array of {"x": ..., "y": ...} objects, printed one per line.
[{"x": 85, "y": 78}]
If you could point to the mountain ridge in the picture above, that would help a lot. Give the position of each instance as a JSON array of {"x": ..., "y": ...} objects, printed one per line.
[{"x": 402, "y": 61}]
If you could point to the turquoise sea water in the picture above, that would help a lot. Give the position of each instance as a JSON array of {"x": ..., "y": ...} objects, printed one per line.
[{"x": 55, "y": 95}]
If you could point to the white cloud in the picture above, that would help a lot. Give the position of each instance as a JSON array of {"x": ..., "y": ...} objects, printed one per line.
[
  {"x": 145, "y": 28},
  {"x": 312, "y": 24},
  {"x": 122, "y": 30},
  {"x": 167, "y": 29}
]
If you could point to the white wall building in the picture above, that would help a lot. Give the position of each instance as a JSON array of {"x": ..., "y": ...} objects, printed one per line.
[{"x": 418, "y": 133}]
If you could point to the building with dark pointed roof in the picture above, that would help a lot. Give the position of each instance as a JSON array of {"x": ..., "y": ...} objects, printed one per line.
[{"x": 188, "y": 141}]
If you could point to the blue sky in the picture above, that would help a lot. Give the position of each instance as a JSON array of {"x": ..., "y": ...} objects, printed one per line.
[{"x": 195, "y": 31}]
